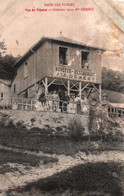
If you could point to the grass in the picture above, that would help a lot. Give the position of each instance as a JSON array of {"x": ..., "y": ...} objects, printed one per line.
[
  {"x": 102, "y": 178},
  {"x": 48, "y": 143},
  {"x": 80, "y": 179},
  {"x": 8, "y": 156},
  {"x": 6, "y": 168}
]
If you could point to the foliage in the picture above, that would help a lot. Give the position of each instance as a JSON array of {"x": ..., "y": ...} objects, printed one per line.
[
  {"x": 111, "y": 132},
  {"x": 7, "y": 70},
  {"x": 97, "y": 178},
  {"x": 112, "y": 80},
  {"x": 76, "y": 130},
  {"x": 2, "y": 47}
]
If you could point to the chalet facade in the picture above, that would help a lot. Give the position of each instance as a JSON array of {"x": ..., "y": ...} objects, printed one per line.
[{"x": 58, "y": 63}]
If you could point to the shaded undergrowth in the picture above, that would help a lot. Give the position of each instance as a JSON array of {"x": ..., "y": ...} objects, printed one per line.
[
  {"x": 101, "y": 178},
  {"x": 8, "y": 156}
]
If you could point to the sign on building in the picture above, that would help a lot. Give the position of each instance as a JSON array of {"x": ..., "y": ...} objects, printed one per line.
[{"x": 73, "y": 74}]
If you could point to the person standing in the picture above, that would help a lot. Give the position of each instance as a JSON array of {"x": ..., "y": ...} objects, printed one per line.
[
  {"x": 66, "y": 102},
  {"x": 78, "y": 103},
  {"x": 61, "y": 98},
  {"x": 55, "y": 99},
  {"x": 42, "y": 98},
  {"x": 92, "y": 115}
]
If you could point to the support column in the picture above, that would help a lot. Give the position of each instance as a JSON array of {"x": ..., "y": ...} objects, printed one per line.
[
  {"x": 110, "y": 112},
  {"x": 117, "y": 112},
  {"x": 68, "y": 87},
  {"x": 46, "y": 85},
  {"x": 100, "y": 93},
  {"x": 80, "y": 89},
  {"x": 121, "y": 112},
  {"x": 114, "y": 112}
]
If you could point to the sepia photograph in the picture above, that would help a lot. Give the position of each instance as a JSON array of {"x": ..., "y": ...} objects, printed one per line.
[{"x": 62, "y": 98}]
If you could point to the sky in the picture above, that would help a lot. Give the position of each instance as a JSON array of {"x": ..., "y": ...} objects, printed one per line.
[{"x": 102, "y": 27}]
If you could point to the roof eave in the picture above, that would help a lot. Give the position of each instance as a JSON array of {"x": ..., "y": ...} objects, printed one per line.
[{"x": 42, "y": 40}]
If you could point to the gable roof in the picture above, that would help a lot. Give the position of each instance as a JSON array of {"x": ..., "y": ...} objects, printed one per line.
[
  {"x": 5, "y": 82},
  {"x": 54, "y": 40}
]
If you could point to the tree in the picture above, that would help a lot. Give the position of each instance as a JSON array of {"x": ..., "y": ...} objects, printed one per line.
[
  {"x": 6, "y": 62},
  {"x": 112, "y": 80},
  {"x": 2, "y": 47},
  {"x": 7, "y": 70}
]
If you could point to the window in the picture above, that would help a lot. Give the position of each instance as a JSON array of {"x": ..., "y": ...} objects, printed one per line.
[
  {"x": 14, "y": 89},
  {"x": 84, "y": 60},
  {"x": 62, "y": 56},
  {"x": 25, "y": 70}
]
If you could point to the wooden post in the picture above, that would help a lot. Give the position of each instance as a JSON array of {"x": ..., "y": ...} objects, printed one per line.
[
  {"x": 121, "y": 112},
  {"x": 116, "y": 112},
  {"x": 31, "y": 106},
  {"x": 46, "y": 86},
  {"x": 68, "y": 86},
  {"x": 100, "y": 93},
  {"x": 4, "y": 103},
  {"x": 111, "y": 112},
  {"x": 22, "y": 104},
  {"x": 80, "y": 89},
  {"x": 35, "y": 89}
]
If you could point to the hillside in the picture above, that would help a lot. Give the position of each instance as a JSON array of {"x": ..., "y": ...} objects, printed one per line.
[{"x": 47, "y": 160}]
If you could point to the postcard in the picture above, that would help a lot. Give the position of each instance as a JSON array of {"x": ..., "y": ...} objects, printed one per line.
[{"x": 62, "y": 97}]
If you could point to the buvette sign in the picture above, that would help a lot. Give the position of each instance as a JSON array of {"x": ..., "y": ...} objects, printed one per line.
[{"x": 80, "y": 75}]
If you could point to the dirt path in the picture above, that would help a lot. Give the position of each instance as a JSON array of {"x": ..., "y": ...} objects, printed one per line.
[{"x": 26, "y": 174}]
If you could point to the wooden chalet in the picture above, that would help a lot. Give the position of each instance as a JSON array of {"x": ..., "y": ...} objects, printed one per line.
[{"x": 55, "y": 63}]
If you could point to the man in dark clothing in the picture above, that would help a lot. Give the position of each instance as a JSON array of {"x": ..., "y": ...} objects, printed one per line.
[
  {"x": 42, "y": 98},
  {"x": 66, "y": 99},
  {"x": 61, "y": 97}
]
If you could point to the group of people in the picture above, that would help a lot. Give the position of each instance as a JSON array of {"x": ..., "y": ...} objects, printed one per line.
[
  {"x": 60, "y": 101},
  {"x": 53, "y": 100}
]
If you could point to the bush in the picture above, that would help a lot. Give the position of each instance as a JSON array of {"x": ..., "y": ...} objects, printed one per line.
[
  {"x": 76, "y": 130},
  {"x": 114, "y": 134}
]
